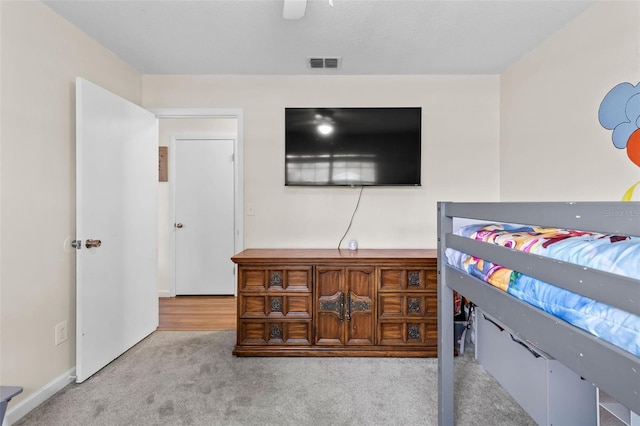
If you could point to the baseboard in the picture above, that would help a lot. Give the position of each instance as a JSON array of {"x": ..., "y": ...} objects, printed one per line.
[
  {"x": 19, "y": 410},
  {"x": 164, "y": 293}
]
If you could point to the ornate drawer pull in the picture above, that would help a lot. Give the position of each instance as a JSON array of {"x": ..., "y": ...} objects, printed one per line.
[
  {"x": 276, "y": 304},
  {"x": 414, "y": 304},
  {"x": 336, "y": 305},
  {"x": 356, "y": 305},
  {"x": 275, "y": 280},
  {"x": 413, "y": 332},
  {"x": 275, "y": 332},
  {"x": 414, "y": 278}
]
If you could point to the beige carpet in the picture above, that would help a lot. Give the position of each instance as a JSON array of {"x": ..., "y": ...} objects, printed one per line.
[{"x": 191, "y": 378}]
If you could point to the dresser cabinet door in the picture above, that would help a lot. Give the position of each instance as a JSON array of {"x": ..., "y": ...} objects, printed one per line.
[
  {"x": 344, "y": 312},
  {"x": 329, "y": 311},
  {"x": 360, "y": 317}
]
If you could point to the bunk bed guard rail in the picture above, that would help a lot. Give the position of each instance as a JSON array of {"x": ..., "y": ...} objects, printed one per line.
[{"x": 614, "y": 370}]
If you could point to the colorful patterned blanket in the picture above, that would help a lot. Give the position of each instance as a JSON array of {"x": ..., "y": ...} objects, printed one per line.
[{"x": 611, "y": 253}]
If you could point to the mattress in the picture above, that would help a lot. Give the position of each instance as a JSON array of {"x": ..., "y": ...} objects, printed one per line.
[{"x": 606, "y": 252}]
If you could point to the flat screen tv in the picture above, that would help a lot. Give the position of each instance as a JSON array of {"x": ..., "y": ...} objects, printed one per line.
[{"x": 353, "y": 146}]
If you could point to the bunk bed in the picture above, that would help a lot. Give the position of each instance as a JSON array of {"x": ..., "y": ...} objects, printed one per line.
[{"x": 612, "y": 369}]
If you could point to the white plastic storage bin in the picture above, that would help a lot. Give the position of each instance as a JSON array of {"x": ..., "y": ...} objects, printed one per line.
[{"x": 547, "y": 390}]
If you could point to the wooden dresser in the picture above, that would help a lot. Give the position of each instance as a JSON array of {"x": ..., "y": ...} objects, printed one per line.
[{"x": 329, "y": 302}]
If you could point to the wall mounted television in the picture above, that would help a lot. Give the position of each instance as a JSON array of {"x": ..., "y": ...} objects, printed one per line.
[{"x": 371, "y": 146}]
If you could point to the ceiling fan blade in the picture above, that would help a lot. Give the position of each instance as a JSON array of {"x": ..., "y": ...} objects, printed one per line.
[{"x": 294, "y": 9}]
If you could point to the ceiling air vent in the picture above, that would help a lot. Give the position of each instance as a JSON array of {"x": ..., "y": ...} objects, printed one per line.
[
  {"x": 316, "y": 63},
  {"x": 331, "y": 63},
  {"x": 328, "y": 63}
]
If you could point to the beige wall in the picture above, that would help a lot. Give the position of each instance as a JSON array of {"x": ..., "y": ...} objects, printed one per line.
[
  {"x": 41, "y": 57},
  {"x": 549, "y": 110},
  {"x": 460, "y": 145}
]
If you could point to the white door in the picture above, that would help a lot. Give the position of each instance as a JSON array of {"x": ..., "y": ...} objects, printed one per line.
[
  {"x": 204, "y": 216},
  {"x": 116, "y": 203}
]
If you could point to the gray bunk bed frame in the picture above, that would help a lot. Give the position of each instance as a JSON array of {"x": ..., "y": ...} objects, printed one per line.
[{"x": 615, "y": 371}]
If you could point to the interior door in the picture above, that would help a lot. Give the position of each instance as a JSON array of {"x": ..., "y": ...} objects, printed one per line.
[
  {"x": 116, "y": 226},
  {"x": 204, "y": 214}
]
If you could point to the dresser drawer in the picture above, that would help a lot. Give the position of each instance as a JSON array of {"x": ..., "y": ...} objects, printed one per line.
[
  {"x": 400, "y": 305},
  {"x": 274, "y": 332},
  {"x": 281, "y": 305},
  {"x": 396, "y": 279},
  {"x": 289, "y": 278},
  {"x": 418, "y": 333}
]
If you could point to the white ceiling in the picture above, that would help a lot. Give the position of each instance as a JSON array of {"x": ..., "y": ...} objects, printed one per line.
[{"x": 377, "y": 37}]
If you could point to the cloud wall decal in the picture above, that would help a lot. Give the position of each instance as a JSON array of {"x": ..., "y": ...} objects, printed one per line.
[{"x": 620, "y": 112}]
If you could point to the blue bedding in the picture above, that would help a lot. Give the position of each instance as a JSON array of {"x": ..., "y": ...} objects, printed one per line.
[{"x": 611, "y": 253}]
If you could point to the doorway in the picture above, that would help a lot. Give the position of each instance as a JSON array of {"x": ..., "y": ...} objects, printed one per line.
[
  {"x": 117, "y": 256},
  {"x": 176, "y": 124}
]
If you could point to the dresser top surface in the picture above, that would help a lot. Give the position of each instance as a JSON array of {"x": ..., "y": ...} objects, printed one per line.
[{"x": 334, "y": 255}]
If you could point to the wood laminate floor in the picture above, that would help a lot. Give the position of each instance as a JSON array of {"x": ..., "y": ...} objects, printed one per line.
[{"x": 197, "y": 313}]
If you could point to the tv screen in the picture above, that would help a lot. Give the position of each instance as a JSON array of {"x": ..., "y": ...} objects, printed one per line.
[{"x": 352, "y": 146}]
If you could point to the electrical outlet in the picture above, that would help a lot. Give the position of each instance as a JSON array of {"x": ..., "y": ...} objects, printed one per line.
[{"x": 61, "y": 333}]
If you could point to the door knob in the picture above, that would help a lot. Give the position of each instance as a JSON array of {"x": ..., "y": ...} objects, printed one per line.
[
  {"x": 92, "y": 243},
  {"x": 179, "y": 225}
]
